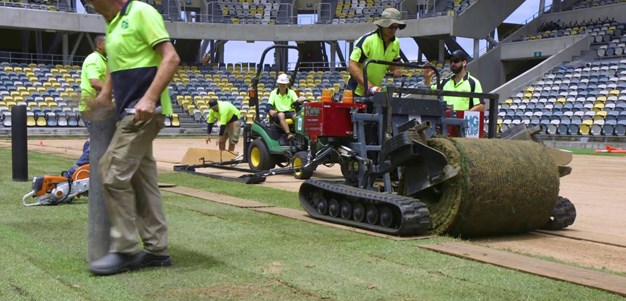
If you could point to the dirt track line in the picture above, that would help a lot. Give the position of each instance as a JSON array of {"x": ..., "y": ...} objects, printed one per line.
[
  {"x": 604, "y": 281},
  {"x": 590, "y": 237}
]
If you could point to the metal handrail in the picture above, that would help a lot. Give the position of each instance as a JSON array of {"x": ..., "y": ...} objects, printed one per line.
[{"x": 44, "y": 58}]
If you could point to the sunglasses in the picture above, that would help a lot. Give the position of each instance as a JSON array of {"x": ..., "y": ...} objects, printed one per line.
[
  {"x": 393, "y": 27},
  {"x": 454, "y": 61}
]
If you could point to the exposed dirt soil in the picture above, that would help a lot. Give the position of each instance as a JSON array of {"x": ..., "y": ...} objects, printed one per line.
[{"x": 597, "y": 186}]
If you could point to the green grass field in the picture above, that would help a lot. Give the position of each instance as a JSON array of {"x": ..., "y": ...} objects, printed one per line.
[{"x": 222, "y": 252}]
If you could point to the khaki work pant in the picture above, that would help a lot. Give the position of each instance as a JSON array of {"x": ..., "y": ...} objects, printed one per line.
[
  {"x": 231, "y": 133},
  {"x": 130, "y": 188}
]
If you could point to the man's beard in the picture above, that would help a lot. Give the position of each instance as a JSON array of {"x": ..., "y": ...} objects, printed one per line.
[{"x": 456, "y": 70}]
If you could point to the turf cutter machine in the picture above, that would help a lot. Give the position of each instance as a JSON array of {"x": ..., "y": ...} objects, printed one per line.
[
  {"x": 406, "y": 175},
  {"x": 58, "y": 189}
]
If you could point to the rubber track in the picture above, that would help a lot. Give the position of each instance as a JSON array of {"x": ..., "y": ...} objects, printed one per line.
[
  {"x": 415, "y": 215},
  {"x": 563, "y": 216}
]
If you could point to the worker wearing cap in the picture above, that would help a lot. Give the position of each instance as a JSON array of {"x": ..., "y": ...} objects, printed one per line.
[
  {"x": 380, "y": 44},
  {"x": 280, "y": 102},
  {"x": 228, "y": 116},
  {"x": 141, "y": 63},
  {"x": 460, "y": 81}
]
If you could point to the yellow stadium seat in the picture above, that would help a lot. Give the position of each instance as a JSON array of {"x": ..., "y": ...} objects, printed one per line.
[
  {"x": 584, "y": 129},
  {"x": 598, "y": 107},
  {"x": 175, "y": 120},
  {"x": 41, "y": 120},
  {"x": 600, "y": 115},
  {"x": 30, "y": 119}
]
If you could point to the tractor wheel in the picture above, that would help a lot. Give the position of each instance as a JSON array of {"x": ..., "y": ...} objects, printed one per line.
[
  {"x": 259, "y": 157},
  {"x": 563, "y": 215},
  {"x": 300, "y": 159}
]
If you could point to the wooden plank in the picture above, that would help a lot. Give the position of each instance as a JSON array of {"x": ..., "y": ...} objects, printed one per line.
[
  {"x": 216, "y": 197},
  {"x": 594, "y": 279},
  {"x": 303, "y": 216},
  {"x": 587, "y": 236},
  {"x": 201, "y": 155},
  {"x": 266, "y": 208}
]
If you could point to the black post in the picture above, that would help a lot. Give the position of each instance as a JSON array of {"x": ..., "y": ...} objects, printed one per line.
[
  {"x": 98, "y": 228},
  {"x": 19, "y": 148}
]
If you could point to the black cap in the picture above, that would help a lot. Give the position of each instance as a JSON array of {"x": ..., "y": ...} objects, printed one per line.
[
  {"x": 458, "y": 55},
  {"x": 212, "y": 103}
]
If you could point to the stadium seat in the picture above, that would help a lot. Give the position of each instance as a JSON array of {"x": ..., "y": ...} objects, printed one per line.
[
  {"x": 30, "y": 119},
  {"x": 6, "y": 119},
  {"x": 175, "y": 121},
  {"x": 40, "y": 119},
  {"x": 596, "y": 129},
  {"x": 51, "y": 119},
  {"x": 62, "y": 119},
  {"x": 607, "y": 129},
  {"x": 620, "y": 130},
  {"x": 573, "y": 129},
  {"x": 72, "y": 119}
]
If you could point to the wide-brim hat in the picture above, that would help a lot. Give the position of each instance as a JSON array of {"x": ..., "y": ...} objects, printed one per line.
[
  {"x": 283, "y": 79},
  {"x": 389, "y": 17}
]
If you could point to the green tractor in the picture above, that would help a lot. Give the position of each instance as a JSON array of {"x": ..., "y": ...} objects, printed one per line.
[{"x": 266, "y": 144}]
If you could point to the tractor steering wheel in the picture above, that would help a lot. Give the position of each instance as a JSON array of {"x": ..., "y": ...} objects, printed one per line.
[{"x": 296, "y": 105}]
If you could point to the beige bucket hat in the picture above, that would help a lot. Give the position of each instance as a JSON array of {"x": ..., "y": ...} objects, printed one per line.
[{"x": 389, "y": 17}]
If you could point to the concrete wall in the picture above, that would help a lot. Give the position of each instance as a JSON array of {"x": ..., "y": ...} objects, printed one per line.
[
  {"x": 528, "y": 49},
  {"x": 72, "y": 22},
  {"x": 488, "y": 70},
  {"x": 473, "y": 23}
]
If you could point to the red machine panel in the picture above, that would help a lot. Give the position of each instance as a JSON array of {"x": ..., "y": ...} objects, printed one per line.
[
  {"x": 475, "y": 124},
  {"x": 329, "y": 119}
]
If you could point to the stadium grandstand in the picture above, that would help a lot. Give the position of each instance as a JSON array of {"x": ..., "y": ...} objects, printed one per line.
[{"x": 563, "y": 69}]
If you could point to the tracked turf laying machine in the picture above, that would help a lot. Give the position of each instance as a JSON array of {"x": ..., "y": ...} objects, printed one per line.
[{"x": 405, "y": 173}]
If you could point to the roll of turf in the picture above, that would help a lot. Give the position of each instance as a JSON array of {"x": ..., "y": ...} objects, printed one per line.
[{"x": 503, "y": 187}]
